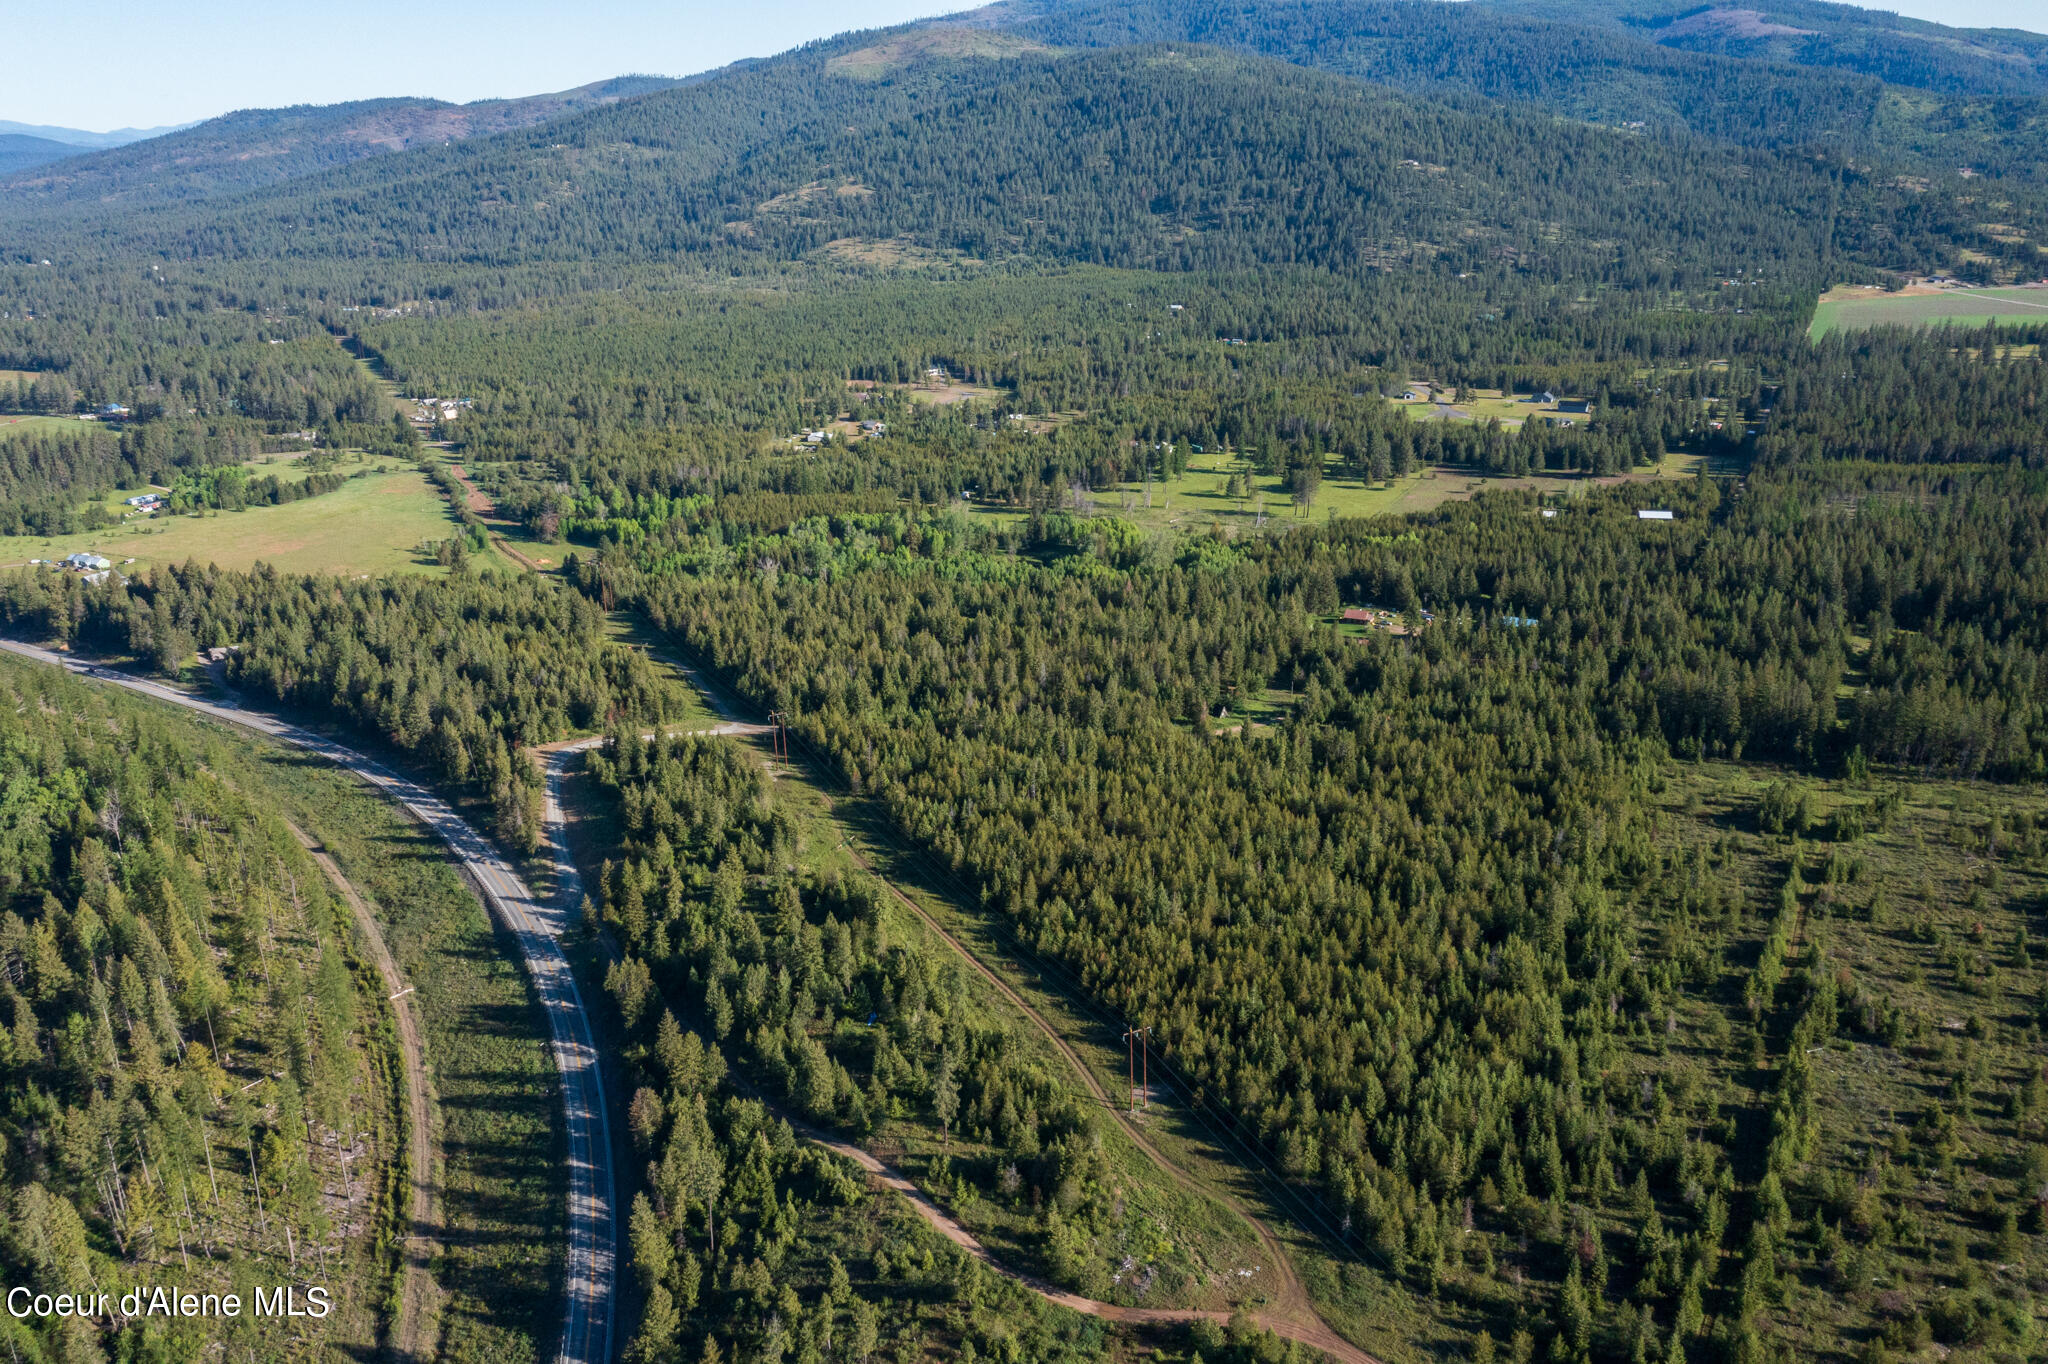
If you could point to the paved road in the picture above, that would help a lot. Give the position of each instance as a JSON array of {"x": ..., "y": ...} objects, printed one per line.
[{"x": 587, "y": 1316}]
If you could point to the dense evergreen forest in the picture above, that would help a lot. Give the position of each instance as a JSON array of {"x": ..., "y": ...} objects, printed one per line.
[
  {"x": 198, "y": 1093},
  {"x": 1627, "y": 949},
  {"x": 1621, "y": 66},
  {"x": 1898, "y": 49}
]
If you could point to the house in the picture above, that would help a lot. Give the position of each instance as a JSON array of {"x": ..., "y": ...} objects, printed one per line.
[
  {"x": 816, "y": 437},
  {"x": 146, "y": 501},
  {"x": 875, "y": 428},
  {"x": 1575, "y": 404},
  {"x": 1550, "y": 513},
  {"x": 1545, "y": 398},
  {"x": 84, "y": 562},
  {"x": 1654, "y": 514},
  {"x": 1176, "y": 307},
  {"x": 1358, "y": 615},
  {"x": 110, "y": 410}
]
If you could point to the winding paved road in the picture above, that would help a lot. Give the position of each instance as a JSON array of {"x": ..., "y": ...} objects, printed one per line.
[{"x": 587, "y": 1315}]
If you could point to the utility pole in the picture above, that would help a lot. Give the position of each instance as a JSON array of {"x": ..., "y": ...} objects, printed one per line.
[
  {"x": 1136, "y": 1062},
  {"x": 780, "y": 719}
]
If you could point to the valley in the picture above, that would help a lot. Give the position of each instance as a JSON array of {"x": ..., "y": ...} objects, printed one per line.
[{"x": 1342, "y": 679}]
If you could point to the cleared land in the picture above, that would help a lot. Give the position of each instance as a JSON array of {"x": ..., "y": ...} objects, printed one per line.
[
  {"x": 1479, "y": 405},
  {"x": 369, "y": 525},
  {"x": 1855, "y": 310},
  {"x": 17, "y": 422},
  {"x": 1201, "y": 496}
]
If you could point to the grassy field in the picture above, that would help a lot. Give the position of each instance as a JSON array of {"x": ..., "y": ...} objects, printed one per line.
[
  {"x": 1200, "y": 496},
  {"x": 368, "y": 526},
  {"x": 1856, "y": 311},
  {"x": 22, "y": 423},
  {"x": 502, "y": 1184}
]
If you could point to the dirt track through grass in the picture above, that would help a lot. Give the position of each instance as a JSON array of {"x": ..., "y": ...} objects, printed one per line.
[
  {"x": 1293, "y": 1314},
  {"x": 414, "y": 1333}
]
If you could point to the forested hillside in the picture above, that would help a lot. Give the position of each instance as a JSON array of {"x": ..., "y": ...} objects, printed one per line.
[
  {"x": 19, "y": 151},
  {"x": 1898, "y": 49},
  {"x": 198, "y": 1092},
  {"x": 1178, "y": 159},
  {"x": 253, "y": 147},
  {"x": 1614, "y": 67}
]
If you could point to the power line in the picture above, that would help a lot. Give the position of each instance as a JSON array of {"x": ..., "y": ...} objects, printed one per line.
[{"x": 1309, "y": 1209}]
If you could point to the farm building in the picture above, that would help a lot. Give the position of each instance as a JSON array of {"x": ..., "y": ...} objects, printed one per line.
[
  {"x": 84, "y": 562},
  {"x": 1654, "y": 514},
  {"x": 1575, "y": 404}
]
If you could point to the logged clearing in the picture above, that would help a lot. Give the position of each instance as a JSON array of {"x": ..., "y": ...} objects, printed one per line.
[{"x": 942, "y": 42}]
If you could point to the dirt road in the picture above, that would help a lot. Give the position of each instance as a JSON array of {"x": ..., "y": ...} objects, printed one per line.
[
  {"x": 591, "y": 1263},
  {"x": 1292, "y": 1313},
  {"x": 416, "y": 1333}
]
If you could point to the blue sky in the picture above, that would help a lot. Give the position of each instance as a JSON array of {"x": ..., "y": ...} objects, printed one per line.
[{"x": 101, "y": 64}]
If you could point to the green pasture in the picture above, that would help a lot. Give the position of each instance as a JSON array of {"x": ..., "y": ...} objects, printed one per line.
[
  {"x": 369, "y": 525},
  {"x": 1200, "y": 497},
  {"x": 12, "y": 422},
  {"x": 1967, "y": 307}
]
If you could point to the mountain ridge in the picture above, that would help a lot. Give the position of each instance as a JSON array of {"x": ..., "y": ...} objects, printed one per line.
[{"x": 248, "y": 148}]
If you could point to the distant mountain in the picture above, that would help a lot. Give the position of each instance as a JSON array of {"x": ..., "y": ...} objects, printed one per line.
[
  {"x": 1895, "y": 49},
  {"x": 79, "y": 137},
  {"x": 19, "y": 152},
  {"x": 255, "y": 147},
  {"x": 1170, "y": 156},
  {"x": 1575, "y": 58}
]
